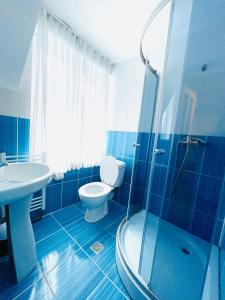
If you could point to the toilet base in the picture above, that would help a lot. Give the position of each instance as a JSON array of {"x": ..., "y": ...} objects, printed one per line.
[{"x": 93, "y": 215}]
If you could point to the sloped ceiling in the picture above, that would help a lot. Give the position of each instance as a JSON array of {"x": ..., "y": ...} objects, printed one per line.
[{"x": 17, "y": 23}]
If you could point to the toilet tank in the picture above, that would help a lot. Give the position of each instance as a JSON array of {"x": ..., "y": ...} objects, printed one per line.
[{"x": 112, "y": 171}]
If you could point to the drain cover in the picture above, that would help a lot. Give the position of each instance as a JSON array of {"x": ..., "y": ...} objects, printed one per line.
[
  {"x": 97, "y": 247},
  {"x": 185, "y": 251}
]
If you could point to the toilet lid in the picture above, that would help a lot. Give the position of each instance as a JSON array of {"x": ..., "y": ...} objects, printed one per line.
[{"x": 109, "y": 170}]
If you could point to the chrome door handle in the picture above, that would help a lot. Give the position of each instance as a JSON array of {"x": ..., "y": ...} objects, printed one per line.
[
  {"x": 136, "y": 145},
  {"x": 159, "y": 151}
]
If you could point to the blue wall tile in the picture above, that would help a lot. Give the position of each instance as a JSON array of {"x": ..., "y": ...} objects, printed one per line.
[
  {"x": 221, "y": 207},
  {"x": 83, "y": 181},
  {"x": 130, "y": 139},
  {"x": 180, "y": 215},
  {"x": 124, "y": 194},
  {"x": 193, "y": 155},
  {"x": 184, "y": 187},
  {"x": 214, "y": 159},
  {"x": 193, "y": 191},
  {"x": 120, "y": 143},
  {"x": 155, "y": 205},
  {"x": 211, "y": 157},
  {"x": 164, "y": 142},
  {"x": 143, "y": 140},
  {"x": 158, "y": 182},
  {"x": 140, "y": 174},
  {"x": 53, "y": 198},
  {"x": 95, "y": 178},
  {"x": 84, "y": 172},
  {"x": 208, "y": 194},
  {"x": 69, "y": 193},
  {"x": 23, "y": 136},
  {"x": 174, "y": 150},
  {"x": 128, "y": 170},
  {"x": 202, "y": 226},
  {"x": 95, "y": 170},
  {"x": 71, "y": 175},
  {"x": 8, "y": 135}
]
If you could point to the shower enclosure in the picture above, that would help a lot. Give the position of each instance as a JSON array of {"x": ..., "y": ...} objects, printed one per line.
[{"x": 171, "y": 244}]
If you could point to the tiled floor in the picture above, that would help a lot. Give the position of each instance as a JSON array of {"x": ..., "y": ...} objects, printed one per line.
[{"x": 67, "y": 267}]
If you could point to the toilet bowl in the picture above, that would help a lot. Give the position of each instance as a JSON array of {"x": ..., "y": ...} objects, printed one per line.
[{"x": 95, "y": 195}]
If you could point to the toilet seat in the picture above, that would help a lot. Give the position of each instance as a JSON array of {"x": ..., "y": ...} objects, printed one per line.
[{"x": 95, "y": 190}]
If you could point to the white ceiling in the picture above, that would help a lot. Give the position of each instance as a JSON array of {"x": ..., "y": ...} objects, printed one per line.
[{"x": 113, "y": 27}]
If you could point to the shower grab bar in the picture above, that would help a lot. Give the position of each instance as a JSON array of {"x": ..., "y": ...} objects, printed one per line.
[{"x": 153, "y": 15}]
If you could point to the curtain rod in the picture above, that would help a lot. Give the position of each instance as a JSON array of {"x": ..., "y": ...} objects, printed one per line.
[{"x": 63, "y": 23}]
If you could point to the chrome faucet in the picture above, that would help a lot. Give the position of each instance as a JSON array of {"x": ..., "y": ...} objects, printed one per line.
[
  {"x": 3, "y": 161},
  {"x": 192, "y": 141}
]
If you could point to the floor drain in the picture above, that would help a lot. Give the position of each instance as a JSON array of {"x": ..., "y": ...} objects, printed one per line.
[
  {"x": 97, "y": 247},
  {"x": 185, "y": 251}
]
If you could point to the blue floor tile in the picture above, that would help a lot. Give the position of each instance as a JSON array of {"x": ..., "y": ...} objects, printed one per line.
[
  {"x": 39, "y": 290},
  {"x": 54, "y": 250},
  {"x": 116, "y": 207},
  {"x": 70, "y": 272},
  {"x": 109, "y": 219},
  {"x": 106, "y": 258},
  {"x": 45, "y": 227},
  {"x": 80, "y": 206},
  {"x": 115, "y": 277},
  {"x": 76, "y": 278},
  {"x": 9, "y": 288},
  {"x": 83, "y": 231},
  {"x": 68, "y": 215},
  {"x": 106, "y": 290},
  {"x": 112, "y": 229}
]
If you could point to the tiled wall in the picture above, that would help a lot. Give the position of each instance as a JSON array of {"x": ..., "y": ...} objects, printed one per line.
[
  {"x": 197, "y": 200},
  {"x": 60, "y": 193},
  {"x": 14, "y": 140},
  {"x": 195, "y": 203},
  {"x": 14, "y": 136},
  {"x": 119, "y": 144}
]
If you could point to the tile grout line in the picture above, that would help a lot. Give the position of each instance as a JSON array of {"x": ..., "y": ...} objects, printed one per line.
[
  {"x": 90, "y": 258},
  {"x": 48, "y": 236},
  {"x": 32, "y": 284},
  {"x": 46, "y": 281}
]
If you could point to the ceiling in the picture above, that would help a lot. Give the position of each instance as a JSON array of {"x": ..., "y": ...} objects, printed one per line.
[{"x": 113, "y": 27}]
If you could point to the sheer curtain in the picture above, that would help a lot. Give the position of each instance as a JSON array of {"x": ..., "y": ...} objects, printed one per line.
[{"x": 69, "y": 98}]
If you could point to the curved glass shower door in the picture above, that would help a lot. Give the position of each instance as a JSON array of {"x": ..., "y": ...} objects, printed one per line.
[
  {"x": 140, "y": 172},
  {"x": 186, "y": 177}
]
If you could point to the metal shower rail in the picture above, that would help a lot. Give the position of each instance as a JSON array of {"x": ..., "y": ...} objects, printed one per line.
[{"x": 153, "y": 15}]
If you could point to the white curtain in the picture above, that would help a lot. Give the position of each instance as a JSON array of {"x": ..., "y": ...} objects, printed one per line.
[{"x": 69, "y": 98}]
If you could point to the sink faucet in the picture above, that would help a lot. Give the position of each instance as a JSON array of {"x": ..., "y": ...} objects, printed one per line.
[{"x": 3, "y": 161}]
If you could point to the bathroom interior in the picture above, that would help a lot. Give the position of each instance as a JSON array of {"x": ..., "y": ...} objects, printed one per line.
[{"x": 112, "y": 149}]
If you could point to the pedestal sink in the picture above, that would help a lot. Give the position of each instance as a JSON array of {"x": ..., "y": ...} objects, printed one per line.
[{"x": 18, "y": 181}]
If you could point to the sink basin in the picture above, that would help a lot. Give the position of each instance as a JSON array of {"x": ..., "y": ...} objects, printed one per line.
[
  {"x": 18, "y": 181},
  {"x": 18, "y": 172},
  {"x": 23, "y": 178}
]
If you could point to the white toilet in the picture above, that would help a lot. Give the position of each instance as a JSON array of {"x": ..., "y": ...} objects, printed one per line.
[{"x": 95, "y": 195}]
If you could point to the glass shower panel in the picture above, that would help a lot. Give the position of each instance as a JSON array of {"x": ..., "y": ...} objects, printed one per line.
[
  {"x": 141, "y": 164},
  {"x": 133, "y": 233},
  {"x": 186, "y": 182}
]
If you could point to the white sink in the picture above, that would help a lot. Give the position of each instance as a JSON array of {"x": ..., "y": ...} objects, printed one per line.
[
  {"x": 18, "y": 181},
  {"x": 21, "y": 179}
]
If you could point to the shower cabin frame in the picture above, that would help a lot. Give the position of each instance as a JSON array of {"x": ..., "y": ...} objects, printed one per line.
[{"x": 132, "y": 280}]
